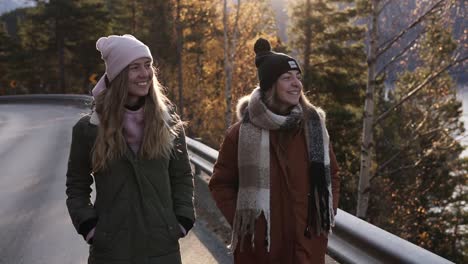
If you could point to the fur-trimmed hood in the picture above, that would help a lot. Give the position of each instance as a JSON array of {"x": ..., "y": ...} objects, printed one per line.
[
  {"x": 243, "y": 103},
  {"x": 241, "y": 106}
]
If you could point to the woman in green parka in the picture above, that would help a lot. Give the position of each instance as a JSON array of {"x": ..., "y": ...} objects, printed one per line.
[{"x": 133, "y": 144}]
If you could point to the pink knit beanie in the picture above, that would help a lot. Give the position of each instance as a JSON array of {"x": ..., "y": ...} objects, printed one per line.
[{"x": 118, "y": 52}]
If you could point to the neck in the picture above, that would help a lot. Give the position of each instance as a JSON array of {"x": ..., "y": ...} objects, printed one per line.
[
  {"x": 134, "y": 102},
  {"x": 279, "y": 109}
]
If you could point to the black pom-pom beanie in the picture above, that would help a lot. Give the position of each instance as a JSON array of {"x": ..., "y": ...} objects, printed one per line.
[{"x": 270, "y": 64}]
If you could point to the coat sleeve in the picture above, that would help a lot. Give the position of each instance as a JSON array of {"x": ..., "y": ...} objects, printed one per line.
[
  {"x": 224, "y": 182},
  {"x": 335, "y": 179},
  {"x": 182, "y": 182},
  {"x": 79, "y": 180}
]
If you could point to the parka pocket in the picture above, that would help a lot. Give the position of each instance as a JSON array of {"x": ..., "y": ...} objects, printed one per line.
[
  {"x": 173, "y": 225},
  {"x": 101, "y": 235},
  {"x": 111, "y": 245},
  {"x": 100, "y": 239},
  {"x": 161, "y": 241}
]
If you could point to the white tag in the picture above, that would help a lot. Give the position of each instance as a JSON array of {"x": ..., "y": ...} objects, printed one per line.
[{"x": 292, "y": 64}]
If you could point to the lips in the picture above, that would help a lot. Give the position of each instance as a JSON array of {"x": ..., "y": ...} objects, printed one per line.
[{"x": 142, "y": 83}]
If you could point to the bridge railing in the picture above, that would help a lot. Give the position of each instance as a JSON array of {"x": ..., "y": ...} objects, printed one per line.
[
  {"x": 353, "y": 240},
  {"x": 80, "y": 99}
]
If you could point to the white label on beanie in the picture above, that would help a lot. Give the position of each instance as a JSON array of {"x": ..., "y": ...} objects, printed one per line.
[{"x": 292, "y": 64}]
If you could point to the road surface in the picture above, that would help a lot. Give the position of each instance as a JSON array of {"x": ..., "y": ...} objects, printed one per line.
[{"x": 34, "y": 222}]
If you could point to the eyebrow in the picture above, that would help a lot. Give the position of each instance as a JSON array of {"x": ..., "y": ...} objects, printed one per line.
[
  {"x": 291, "y": 73},
  {"x": 145, "y": 62}
]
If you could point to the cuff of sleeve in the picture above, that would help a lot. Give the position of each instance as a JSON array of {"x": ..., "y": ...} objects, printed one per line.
[
  {"x": 87, "y": 226},
  {"x": 182, "y": 230},
  {"x": 90, "y": 236},
  {"x": 185, "y": 222}
]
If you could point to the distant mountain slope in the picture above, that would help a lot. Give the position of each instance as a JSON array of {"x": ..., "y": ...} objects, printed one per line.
[{"x": 9, "y": 5}]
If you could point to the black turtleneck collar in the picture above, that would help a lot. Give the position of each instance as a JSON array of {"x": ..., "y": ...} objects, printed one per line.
[{"x": 137, "y": 106}]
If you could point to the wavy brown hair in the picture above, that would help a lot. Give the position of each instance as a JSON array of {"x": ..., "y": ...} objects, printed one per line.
[{"x": 160, "y": 129}]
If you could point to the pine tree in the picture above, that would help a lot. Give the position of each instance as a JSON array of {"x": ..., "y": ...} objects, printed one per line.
[
  {"x": 32, "y": 63},
  {"x": 57, "y": 45},
  {"x": 330, "y": 45},
  {"x": 378, "y": 47},
  {"x": 419, "y": 193},
  {"x": 92, "y": 22},
  {"x": 6, "y": 50}
]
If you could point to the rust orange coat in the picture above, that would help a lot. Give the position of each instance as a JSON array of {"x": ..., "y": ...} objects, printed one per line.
[{"x": 289, "y": 186}]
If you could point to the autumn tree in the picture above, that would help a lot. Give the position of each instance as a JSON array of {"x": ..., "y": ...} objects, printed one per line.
[{"x": 204, "y": 60}]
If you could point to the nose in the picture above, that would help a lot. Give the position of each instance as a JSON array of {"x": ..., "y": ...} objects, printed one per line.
[
  {"x": 297, "y": 82},
  {"x": 144, "y": 72}
]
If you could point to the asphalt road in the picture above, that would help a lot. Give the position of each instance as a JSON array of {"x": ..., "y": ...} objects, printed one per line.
[{"x": 34, "y": 222}]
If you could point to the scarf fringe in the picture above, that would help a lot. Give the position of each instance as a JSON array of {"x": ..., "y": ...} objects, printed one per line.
[{"x": 244, "y": 224}]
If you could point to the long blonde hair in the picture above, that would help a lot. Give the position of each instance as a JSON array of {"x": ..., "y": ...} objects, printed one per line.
[{"x": 160, "y": 128}]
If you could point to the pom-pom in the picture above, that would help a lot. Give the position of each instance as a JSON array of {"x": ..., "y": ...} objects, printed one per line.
[
  {"x": 101, "y": 44},
  {"x": 262, "y": 45}
]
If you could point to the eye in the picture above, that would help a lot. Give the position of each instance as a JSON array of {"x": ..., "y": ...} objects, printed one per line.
[{"x": 299, "y": 77}]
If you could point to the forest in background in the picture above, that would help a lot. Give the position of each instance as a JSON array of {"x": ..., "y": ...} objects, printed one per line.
[{"x": 384, "y": 71}]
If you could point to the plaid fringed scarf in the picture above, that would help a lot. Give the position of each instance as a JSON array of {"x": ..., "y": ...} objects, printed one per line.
[{"x": 254, "y": 169}]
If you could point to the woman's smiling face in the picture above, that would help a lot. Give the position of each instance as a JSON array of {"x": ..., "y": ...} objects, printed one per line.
[
  {"x": 140, "y": 75},
  {"x": 287, "y": 91}
]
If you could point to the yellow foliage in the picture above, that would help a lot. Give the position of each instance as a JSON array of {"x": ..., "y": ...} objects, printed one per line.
[{"x": 203, "y": 65}]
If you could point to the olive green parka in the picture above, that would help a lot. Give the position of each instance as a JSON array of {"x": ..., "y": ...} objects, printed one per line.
[{"x": 137, "y": 201}]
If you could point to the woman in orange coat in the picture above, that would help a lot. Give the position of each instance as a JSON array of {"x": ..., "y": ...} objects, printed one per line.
[{"x": 275, "y": 179}]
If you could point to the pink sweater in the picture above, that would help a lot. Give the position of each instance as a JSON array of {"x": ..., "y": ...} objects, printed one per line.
[{"x": 133, "y": 126}]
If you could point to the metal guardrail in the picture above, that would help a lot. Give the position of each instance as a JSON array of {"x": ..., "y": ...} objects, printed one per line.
[
  {"x": 353, "y": 240},
  {"x": 46, "y": 98}
]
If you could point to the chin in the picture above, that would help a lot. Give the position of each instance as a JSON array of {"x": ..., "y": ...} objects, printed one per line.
[
  {"x": 293, "y": 103},
  {"x": 140, "y": 93}
]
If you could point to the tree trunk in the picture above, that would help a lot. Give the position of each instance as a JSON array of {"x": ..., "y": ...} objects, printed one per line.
[
  {"x": 62, "y": 66},
  {"x": 60, "y": 55},
  {"x": 180, "y": 76},
  {"x": 229, "y": 57},
  {"x": 367, "y": 133},
  {"x": 134, "y": 10},
  {"x": 307, "y": 43},
  {"x": 227, "y": 67}
]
